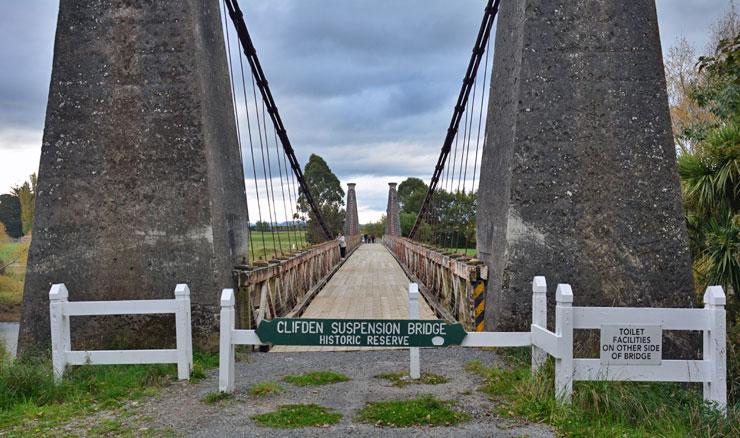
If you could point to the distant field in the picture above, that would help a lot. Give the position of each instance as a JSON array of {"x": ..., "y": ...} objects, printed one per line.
[
  {"x": 11, "y": 281},
  {"x": 263, "y": 246}
]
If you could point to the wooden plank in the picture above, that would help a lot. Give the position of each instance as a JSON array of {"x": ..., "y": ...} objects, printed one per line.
[
  {"x": 135, "y": 307},
  {"x": 669, "y": 319},
  {"x": 124, "y": 357},
  {"x": 667, "y": 371},
  {"x": 370, "y": 284}
]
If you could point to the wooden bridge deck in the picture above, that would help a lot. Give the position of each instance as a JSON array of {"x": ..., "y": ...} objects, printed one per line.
[{"x": 370, "y": 285}]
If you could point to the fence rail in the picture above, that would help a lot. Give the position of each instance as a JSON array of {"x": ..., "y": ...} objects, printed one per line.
[
  {"x": 710, "y": 370},
  {"x": 60, "y": 311},
  {"x": 450, "y": 283},
  {"x": 285, "y": 286}
]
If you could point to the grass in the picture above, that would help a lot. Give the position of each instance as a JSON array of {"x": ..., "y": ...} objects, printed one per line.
[
  {"x": 603, "y": 408},
  {"x": 30, "y": 399},
  {"x": 298, "y": 416},
  {"x": 401, "y": 379},
  {"x": 264, "y": 389},
  {"x": 262, "y": 245},
  {"x": 215, "y": 397},
  {"x": 316, "y": 378},
  {"x": 421, "y": 411},
  {"x": 11, "y": 280}
]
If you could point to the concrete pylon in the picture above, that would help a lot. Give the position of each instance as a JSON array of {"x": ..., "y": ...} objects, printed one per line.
[
  {"x": 140, "y": 184},
  {"x": 393, "y": 212},
  {"x": 578, "y": 180},
  {"x": 351, "y": 221}
]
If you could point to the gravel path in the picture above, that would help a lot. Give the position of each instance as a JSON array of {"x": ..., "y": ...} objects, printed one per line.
[{"x": 179, "y": 408}]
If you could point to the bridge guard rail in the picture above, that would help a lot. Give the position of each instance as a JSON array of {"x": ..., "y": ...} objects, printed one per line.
[
  {"x": 453, "y": 285},
  {"x": 281, "y": 287}
]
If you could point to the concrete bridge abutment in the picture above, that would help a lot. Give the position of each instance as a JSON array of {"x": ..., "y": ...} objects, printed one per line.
[
  {"x": 140, "y": 184},
  {"x": 578, "y": 180}
]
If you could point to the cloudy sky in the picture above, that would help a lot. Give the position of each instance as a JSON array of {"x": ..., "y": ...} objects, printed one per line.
[{"x": 367, "y": 84}]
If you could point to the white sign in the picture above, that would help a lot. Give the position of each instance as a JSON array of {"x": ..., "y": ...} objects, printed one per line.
[{"x": 628, "y": 344}]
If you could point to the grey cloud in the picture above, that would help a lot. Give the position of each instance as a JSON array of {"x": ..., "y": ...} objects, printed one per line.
[{"x": 367, "y": 84}]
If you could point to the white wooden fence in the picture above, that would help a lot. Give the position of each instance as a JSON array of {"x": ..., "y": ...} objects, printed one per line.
[
  {"x": 61, "y": 346},
  {"x": 230, "y": 337},
  {"x": 710, "y": 370}
]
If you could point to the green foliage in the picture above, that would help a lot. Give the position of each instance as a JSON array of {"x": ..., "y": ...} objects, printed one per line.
[
  {"x": 451, "y": 220},
  {"x": 217, "y": 396},
  {"x": 421, "y": 411},
  {"x": 375, "y": 228},
  {"x": 10, "y": 215},
  {"x": 202, "y": 361},
  {"x": 604, "y": 408},
  {"x": 327, "y": 193},
  {"x": 265, "y": 388},
  {"x": 27, "y": 388},
  {"x": 407, "y": 222},
  {"x": 402, "y": 379},
  {"x": 411, "y": 193},
  {"x": 721, "y": 92},
  {"x": 28, "y": 391},
  {"x": 298, "y": 416},
  {"x": 316, "y": 378},
  {"x": 710, "y": 175}
]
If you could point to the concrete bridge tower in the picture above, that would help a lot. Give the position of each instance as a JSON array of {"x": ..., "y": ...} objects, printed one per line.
[
  {"x": 393, "y": 212},
  {"x": 351, "y": 221},
  {"x": 578, "y": 178},
  {"x": 140, "y": 184}
]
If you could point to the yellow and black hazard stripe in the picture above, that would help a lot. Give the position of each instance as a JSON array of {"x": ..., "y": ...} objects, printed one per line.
[{"x": 479, "y": 304}]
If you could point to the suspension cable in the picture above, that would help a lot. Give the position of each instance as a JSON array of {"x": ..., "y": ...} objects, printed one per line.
[
  {"x": 462, "y": 100},
  {"x": 237, "y": 17}
]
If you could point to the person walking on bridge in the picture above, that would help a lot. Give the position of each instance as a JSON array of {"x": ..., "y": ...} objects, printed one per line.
[{"x": 342, "y": 245}]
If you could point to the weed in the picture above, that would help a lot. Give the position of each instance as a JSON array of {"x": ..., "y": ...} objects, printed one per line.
[
  {"x": 297, "y": 416},
  {"x": 402, "y": 379},
  {"x": 316, "y": 378},
  {"x": 29, "y": 393},
  {"x": 422, "y": 411},
  {"x": 264, "y": 389},
  {"x": 605, "y": 408},
  {"x": 215, "y": 397}
]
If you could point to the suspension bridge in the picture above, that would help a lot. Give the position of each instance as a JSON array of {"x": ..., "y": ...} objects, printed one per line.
[{"x": 217, "y": 198}]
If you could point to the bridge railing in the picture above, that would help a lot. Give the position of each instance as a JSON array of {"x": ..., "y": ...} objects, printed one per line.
[
  {"x": 453, "y": 285},
  {"x": 285, "y": 287}
]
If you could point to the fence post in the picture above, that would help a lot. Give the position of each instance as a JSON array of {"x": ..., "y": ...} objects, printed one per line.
[
  {"x": 183, "y": 332},
  {"x": 226, "y": 348},
  {"x": 564, "y": 329},
  {"x": 415, "y": 371},
  {"x": 539, "y": 317},
  {"x": 715, "y": 347},
  {"x": 60, "y": 336}
]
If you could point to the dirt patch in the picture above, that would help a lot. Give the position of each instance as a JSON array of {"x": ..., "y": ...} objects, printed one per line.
[{"x": 10, "y": 312}]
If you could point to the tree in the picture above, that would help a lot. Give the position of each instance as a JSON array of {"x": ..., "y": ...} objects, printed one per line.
[
  {"x": 262, "y": 226},
  {"x": 681, "y": 77},
  {"x": 10, "y": 215},
  {"x": 710, "y": 174},
  {"x": 26, "y": 193},
  {"x": 411, "y": 194},
  {"x": 329, "y": 197}
]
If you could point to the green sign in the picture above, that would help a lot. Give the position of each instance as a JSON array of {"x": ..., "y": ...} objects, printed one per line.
[{"x": 360, "y": 332}]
